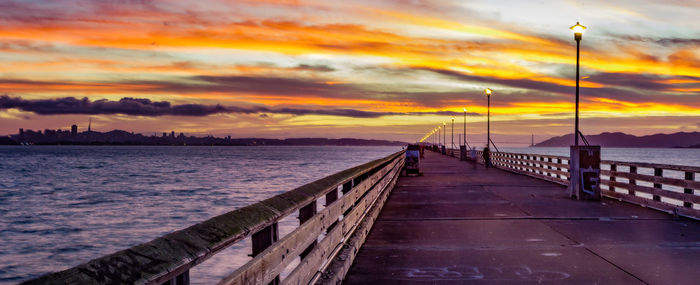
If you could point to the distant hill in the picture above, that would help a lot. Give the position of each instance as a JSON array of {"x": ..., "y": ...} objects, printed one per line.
[
  {"x": 119, "y": 137},
  {"x": 316, "y": 141},
  {"x": 681, "y": 139}
]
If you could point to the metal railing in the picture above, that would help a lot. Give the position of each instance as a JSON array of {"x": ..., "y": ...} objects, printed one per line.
[{"x": 353, "y": 199}]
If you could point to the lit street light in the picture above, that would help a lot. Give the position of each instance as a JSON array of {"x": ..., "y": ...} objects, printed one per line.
[
  {"x": 435, "y": 135},
  {"x": 465, "y": 126},
  {"x": 444, "y": 133},
  {"x": 488, "y": 116},
  {"x": 578, "y": 32},
  {"x": 453, "y": 132}
]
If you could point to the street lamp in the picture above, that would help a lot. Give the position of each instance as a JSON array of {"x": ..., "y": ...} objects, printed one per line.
[
  {"x": 434, "y": 135},
  {"x": 444, "y": 134},
  {"x": 453, "y": 132},
  {"x": 465, "y": 126},
  {"x": 438, "y": 128},
  {"x": 578, "y": 32},
  {"x": 488, "y": 116}
]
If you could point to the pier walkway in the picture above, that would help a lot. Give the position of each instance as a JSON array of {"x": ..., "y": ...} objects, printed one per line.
[{"x": 461, "y": 223}]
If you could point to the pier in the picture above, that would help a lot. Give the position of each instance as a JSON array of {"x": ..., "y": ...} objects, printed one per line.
[
  {"x": 457, "y": 222},
  {"x": 461, "y": 222}
]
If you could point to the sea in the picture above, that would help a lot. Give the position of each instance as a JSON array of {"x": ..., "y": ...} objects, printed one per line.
[{"x": 61, "y": 206}]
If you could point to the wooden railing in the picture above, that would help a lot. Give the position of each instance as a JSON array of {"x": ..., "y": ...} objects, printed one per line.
[
  {"x": 547, "y": 167},
  {"x": 669, "y": 188},
  {"x": 353, "y": 199}
]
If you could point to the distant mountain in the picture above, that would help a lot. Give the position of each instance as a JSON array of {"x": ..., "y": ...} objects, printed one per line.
[{"x": 681, "y": 139}]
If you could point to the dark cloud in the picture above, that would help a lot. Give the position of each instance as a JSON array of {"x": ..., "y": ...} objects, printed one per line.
[
  {"x": 520, "y": 83},
  {"x": 127, "y": 106},
  {"x": 643, "y": 81},
  {"x": 621, "y": 87},
  {"x": 20, "y": 45},
  {"x": 146, "y": 107},
  {"x": 257, "y": 85},
  {"x": 678, "y": 41},
  {"x": 319, "y": 68},
  {"x": 661, "y": 41}
]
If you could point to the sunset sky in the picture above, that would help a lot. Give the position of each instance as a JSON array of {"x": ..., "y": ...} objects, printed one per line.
[{"x": 365, "y": 69}]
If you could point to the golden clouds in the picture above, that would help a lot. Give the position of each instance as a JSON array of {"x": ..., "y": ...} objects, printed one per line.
[{"x": 421, "y": 61}]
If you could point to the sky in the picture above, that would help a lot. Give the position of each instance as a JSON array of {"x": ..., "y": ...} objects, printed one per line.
[{"x": 366, "y": 69}]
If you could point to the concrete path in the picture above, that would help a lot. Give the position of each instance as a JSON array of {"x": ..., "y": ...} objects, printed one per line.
[{"x": 461, "y": 223}]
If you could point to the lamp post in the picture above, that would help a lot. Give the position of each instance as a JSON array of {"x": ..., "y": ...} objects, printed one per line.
[
  {"x": 584, "y": 182},
  {"x": 444, "y": 134},
  {"x": 434, "y": 136},
  {"x": 488, "y": 116},
  {"x": 453, "y": 132},
  {"x": 438, "y": 128},
  {"x": 465, "y": 126},
  {"x": 578, "y": 32}
]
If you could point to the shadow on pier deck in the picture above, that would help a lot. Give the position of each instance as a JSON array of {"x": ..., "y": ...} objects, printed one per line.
[{"x": 463, "y": 223}]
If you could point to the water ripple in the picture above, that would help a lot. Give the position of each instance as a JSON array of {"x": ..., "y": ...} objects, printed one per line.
[{"x": 64, "y": 205}]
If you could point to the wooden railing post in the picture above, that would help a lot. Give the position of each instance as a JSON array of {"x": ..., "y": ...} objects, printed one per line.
[
  {"x": 558, "y": 167},
  {"x": 613, "y": 169},
  {"x": 306, "y": 213},
  {"x": 543, "y": 161},
  {"x": 658, "y": 172},
  {"x": 330, "y": 198},
  {"x": 688, "y": 176},
  {"x": 347, "y": 187},
  {"x": 633, "y": 169},
  {"x": 182, "y": 279},
  {"x": 262, "y": 240}
]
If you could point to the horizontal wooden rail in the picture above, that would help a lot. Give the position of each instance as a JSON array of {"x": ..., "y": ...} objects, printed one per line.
[
  {"x": 544, "y": 167},
  {"x": 659, "y": 195},
  {"x": 167, "y": 259}
]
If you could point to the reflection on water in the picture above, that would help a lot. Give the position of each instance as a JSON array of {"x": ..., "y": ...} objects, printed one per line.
[{"x": 64, "y": 205}]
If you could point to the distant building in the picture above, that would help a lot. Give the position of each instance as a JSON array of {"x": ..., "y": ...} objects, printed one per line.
[
  {"x": 165, "y": 134},
  {"x": 172, "y": 134},
  {"x": 21, "y": 131},
  {"x": 73, "y": 130}
]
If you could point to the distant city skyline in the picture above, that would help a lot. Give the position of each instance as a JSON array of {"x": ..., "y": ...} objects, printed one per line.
[{"x": 388, "y": 70}]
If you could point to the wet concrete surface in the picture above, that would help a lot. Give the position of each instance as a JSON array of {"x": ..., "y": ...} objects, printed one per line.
[{"x": 460, "y": 223}]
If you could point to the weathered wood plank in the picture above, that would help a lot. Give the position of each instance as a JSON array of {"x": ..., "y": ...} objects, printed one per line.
[
  {"x": 522, "y": 160},
  {"x": 669, "y": 208},
  {"x": 537, "y": 155},
  {"x": 338, "y": 268},
  {"x": 270, "y": 263},
  {"x": 322, "y": 253},
  {"x": 654, "y": 191},
  {"x": 534, "y": 168},
  {"x": 654, "y": 179},
  {"x": 683, "y": 168}
]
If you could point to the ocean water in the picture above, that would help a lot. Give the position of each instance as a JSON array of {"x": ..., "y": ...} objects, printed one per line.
[{"x": 64, "y": 205}]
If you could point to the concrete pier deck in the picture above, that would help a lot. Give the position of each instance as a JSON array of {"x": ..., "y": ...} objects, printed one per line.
[{"x": 461, "y": 223}]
